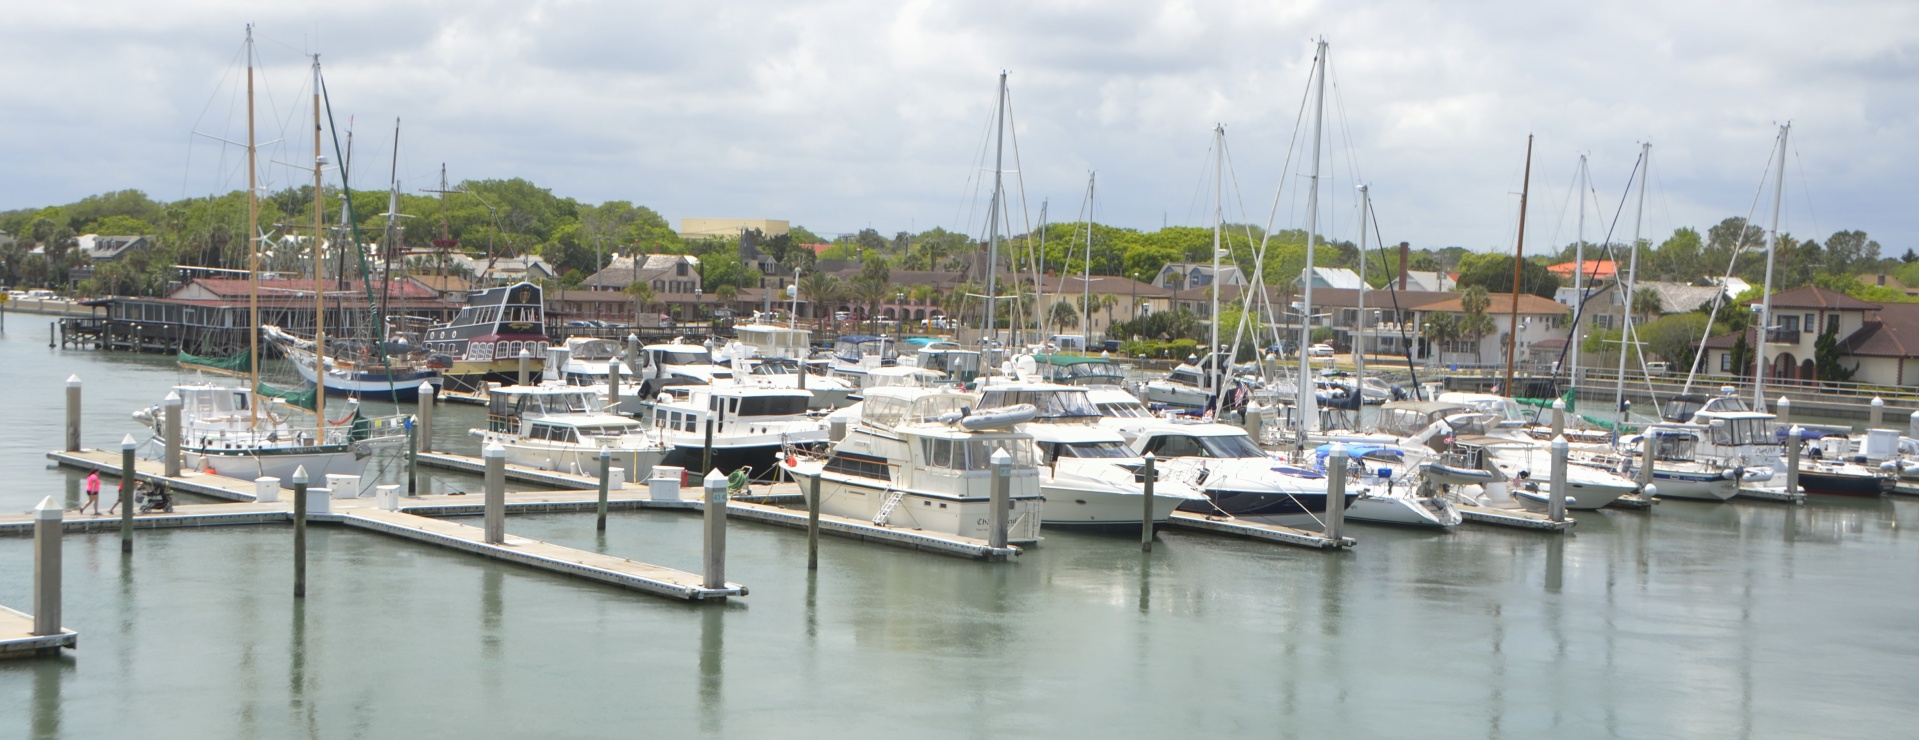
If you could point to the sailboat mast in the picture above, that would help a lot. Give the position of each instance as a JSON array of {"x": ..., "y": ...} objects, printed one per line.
[
  {"x": 319, "y": 291},
  {"x": 392, "y": 234},
  {"x": 1632, "y": 280},
  {"x": 1307, "y": 403},
  {"x": 1359, "y": 343},
  {"x": 1519, "y": 254},
  {"x": 1579, "y": 274},
  {"x": 1765, "y": 304},
  {"x": 1215, "y": 377},
  {"x": 992, "y": 233},
  {"x": 1086, "y": 271},
  {"x": 253, "y": 247}
]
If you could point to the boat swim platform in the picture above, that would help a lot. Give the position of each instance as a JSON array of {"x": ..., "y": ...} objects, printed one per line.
[
  {"x": 1772, "y": 493},
  {"x": 1236, "y": 527},
  {"x": 1520, "y": 518},
  {"x": 1905, "y": 488},
  {"x": 1633, "y": 502},
  {"x": 18, "y": 641}
]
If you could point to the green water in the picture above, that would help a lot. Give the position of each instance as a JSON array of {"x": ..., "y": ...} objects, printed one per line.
[{"x": 1696, "y": 620}]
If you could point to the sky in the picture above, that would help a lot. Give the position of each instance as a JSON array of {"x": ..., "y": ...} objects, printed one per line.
[{"x": 846, "y": 115}]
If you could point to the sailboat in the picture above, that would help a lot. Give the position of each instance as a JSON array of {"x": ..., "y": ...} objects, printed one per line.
[{"x": 254, "y": 431}]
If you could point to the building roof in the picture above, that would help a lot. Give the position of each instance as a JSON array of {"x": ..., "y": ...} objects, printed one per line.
[
  {"x": 1724, "y": 341},
  {"x": 1892, "y": 332},
  {"x": 1502, "y": 303},
  {"x": 1815, "y": 297},
  {"x": 1337, "y": 277},
  {"x": 1594, "y": 269},
  {"x": 99, "y": 248},
  {"x": 234, "y": 288},
  {"x": 619, "y": 271},
  {"x": 1882, "y": 280},
  {"x": 1428, "y": 281}
]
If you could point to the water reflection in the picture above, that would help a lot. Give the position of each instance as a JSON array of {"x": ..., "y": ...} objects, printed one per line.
[
  {"x": 1555, "y": 564},
  {"x": 48, "y": 674},
  {"x": 712, "y": 665},
  {"x": 305, "y": 712}
]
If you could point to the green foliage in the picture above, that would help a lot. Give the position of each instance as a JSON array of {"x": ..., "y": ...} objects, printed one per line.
[
  {"x": 1674, "y": 338},
  {"x": 1493, "y": 272},
  {"x": 1164, "y": 325},
  {"x": 801, "y": 235},
  {"x": 1741, "y": 354},
  {"x": 1825, "y": 357}
]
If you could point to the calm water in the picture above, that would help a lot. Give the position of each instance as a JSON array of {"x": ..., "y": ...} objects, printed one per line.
[{"x": 1733, "y": 620}]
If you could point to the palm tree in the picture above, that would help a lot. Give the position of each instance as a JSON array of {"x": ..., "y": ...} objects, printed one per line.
[
  {"x": 1063, "y": 315},
  {"x": 871, "y": 293},
  {"x": 1473, "y": 324},
  {"x": 643, "y": 297},
  {"x": 822, "y": 291},
  {"x": 1646, "y": 303}
]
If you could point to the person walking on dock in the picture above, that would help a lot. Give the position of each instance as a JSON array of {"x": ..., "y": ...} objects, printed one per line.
[{"x": 93, "y": 493}]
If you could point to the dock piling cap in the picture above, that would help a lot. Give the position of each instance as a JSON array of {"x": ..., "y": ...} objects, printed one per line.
[
  {"x": 1559, "y": 443},
  {"x": 606, "y": 452},
  {"x": 714, "y": 479},
  {"x": 47, "y": 510},
  {"x": 526, "y": 354},
  {"x": 127, "y": 443},
  {"x": 73, "y": 381},
  {"x": 172, "y": 400},
  {"x": 1001, "y": 457},
  {"x": 1559, "y": 404},
  {"x": 1796, "y": 432},
  {"x": 492, "y": 450},
  {"x": 299, "y": 476},
  {"x": 1338, "y": 450},
  {"x": 1878, "y": 402}
]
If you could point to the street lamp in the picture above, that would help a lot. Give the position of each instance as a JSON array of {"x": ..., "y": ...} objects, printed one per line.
[
  {"x": 696, "y": 301},
  {"x": 899, "y": 316}
]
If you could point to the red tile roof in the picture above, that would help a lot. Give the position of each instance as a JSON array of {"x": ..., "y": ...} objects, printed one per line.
[
  {"x": 1893, "y": 332},
  {"x": 1815, "y": 297},
  {"x": 1595, "y": 269},
  {"x": 1502, "y": 303}
]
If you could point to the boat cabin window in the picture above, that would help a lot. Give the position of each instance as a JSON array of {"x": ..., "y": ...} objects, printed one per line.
[
  {"x": 606, "y": 430},
  {"x": 975, "y": 454},
  {"x": 1086, "y": 373},
  {"x": 1052, "y": 404},
  {"x": 1668, "y": 446},
  {"x": 1124, "y": 410},
  {"x": 1093, "y": 449},
  {"x": 957, "y": 364},
  {"x": 598, "y": 350},
  {"x": 681, "y": 357},
  {"x": 929, "y": 409},
  {"x": 1186, "y": 445},
  {"x": 1731, "y": 432},
  {"x": 771, "y": 406},
  {"x": 553, "y": 433},
  {"x": 883, "y": 411},
  {"x": 1184, "y": 377},
  {"x": 776, "y": 366}
]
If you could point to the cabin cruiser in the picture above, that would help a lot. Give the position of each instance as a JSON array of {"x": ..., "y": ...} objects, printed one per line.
[
  {"x": 779, "y": 372},
  {"x": 769, "y": 340},
  {"x": 1186, "y": 386},
  {"x": 753, "y": 426},
  {"x": 1728, "y": 435},
  {"x": 1088, "y": 475},
  {"x": 679, "y": 360},
  {"x": 1528, "y": 464},
  {"x": 921, "y": 458},
  {"x": 1078, "y": 370},
  {"x": 1831, "y": 466},
  {"x": 247, "y": 434},
  {"x": 563, "y": 428},
  {"x": 856, "y": 355},
  {"x": 1677, "y": 471},
  {"x": 1237, "y": 477},
  {"x": 590, "y": 362},
  {"x": 960, "y": 365}
]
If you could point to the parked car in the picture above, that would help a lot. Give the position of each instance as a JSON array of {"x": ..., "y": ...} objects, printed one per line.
[{"x": 1320, "y": 350}]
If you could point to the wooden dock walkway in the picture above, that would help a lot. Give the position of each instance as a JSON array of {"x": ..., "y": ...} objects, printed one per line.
[
  {"x": 18, "y": 641},
  {"x": 1520, "y": 518},
  {"x": 191, "y": 481},
  {"x": 1237, "y": 527},
  {"x": 521, "y": 473}
]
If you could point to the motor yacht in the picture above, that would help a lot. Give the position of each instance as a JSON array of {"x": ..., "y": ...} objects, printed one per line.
[
  {"x": 1237, "y": 477},
  {"x": 563, "y": 428},
  {"x": 913, "y": 459},
  {"x": 753, "y": 425}
]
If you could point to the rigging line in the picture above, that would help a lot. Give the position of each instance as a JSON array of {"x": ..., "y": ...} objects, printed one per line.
[
  {"x": 1345, "y": 127},
  {"x": 1738, "y": 247},
  {"x": 969, "y": 194},
  {"x": 1405, "y": 342},
  {"x": 1286, "y": 166},
  {"x": 1199, "y": 188},
  {"x": 1026, "y": 216},
  {"x": 1805, "y": 189},
  {"x": 1579, "y": 309}
]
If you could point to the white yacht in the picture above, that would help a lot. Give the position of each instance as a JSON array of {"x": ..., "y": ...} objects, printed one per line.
[
  {"x": 1185, "y": 386},
  {"x": 1089, "y": 476},
  {"x": 1237, "y": 477},
  {"x": 855, "y": 355},
  {"x": 563, "y": 428},
  {"x": 779, "y": 372},
  {"x": 914, "y": 460},
  {"x": 770, "y": 340},
  {"x": 590, "y": 361},
  {"x": 1677, "y": 470},
  {"x": 243, "y": 434},
  {"x": 679, "y": 361},
  {"x": 753, "y": 425}
]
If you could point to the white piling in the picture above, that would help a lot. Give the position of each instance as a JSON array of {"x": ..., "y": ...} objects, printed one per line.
[
  {"x": 1556, "y": 505},
  {"x": 1336, "y": 461},
  {"x": 73, "y": 413},
  {"x": 1794, "y": 437},
  {"x": 714, "y": 572},
  {"x": 1645, "y": 463},
  {"x": 495, "y": 456},
  {"x": 526, "y": 363},
  {"x": 172, "y": 406},
  {"x": 428, "y": 398},
  {"x": 1785, "y": 410},
  {"x": 1878, "y": 414},
  {"x": 1559, "y": 416},
  {"x": 46, "y": 567},
  {"x": 1002, "y": 497}
]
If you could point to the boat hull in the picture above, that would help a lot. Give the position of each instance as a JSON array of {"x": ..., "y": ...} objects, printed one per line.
[
  {"x": 861, "y": 498},
  {"x": 1281, "y": 508},
  {"x": 318, "y": 464},
  {"x": 1402, "y": 511},
  {"x": 1084, "y": 509},
  {"x": 581, "y": 460},
  {"x": 1695, "y": 486},
  {"x": 1843, "y": 484}
]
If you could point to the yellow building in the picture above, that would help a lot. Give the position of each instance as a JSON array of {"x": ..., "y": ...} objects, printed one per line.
[{"x": 702, "y": 228}]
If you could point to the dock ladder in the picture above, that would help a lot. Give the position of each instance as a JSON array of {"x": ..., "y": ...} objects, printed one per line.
[{"x": 886, "y": 509}]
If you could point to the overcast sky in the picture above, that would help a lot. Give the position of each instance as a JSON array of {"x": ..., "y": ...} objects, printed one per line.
[{"x": 843, "y": 115}]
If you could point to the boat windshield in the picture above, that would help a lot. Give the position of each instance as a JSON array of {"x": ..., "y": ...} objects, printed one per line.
[
  {"x": 773, "y": 405},
  {"x": 1735, "y": 432},
  {"x": 598, "y": 350},
  {"x": 776, "y": 367},
  {"x": 1187, "y": 445},
  {"x": 1095, "y": 449},
  {"x": 1124, "y": 410},
  {"x": 1052, "y": 404},
  {"x": 608, "y": 430},
  {"x": 975, "y": 454},
  {"x": 685, "y": 357}
]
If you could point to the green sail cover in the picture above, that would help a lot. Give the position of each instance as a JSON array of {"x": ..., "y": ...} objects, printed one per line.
[
  {"x": 239, "y": 363},
  {"x": 1546, "y": 403},
  {"x": 306, "y": 398}
]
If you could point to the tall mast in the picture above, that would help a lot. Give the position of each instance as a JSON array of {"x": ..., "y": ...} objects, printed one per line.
[
  {"x": 1765, "y": 304},
  {"x": 319, "y": 291},
  {"x": 1359, "y": 344},
  {"x": 1308, "y": 402},
  {"x": 392, "y": 233},
  {"x": 1214, "y": 377},
  {"x": 1086, "y": 271},
  {"x": 1579, "y": 275},
  {"x": 1632, "y": 278},
  {"x": 1039, "y": 274},
  {"x": 992, "y": 238},
  {"x": 253, "y": 246},
  {"x": 1519, "y": 253}
]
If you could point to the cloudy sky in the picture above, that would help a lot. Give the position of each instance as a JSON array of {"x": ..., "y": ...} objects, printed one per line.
[{"x": 844, "y": 115}]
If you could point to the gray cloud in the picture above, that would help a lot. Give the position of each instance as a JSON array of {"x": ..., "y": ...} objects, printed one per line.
[{"x": 838, "y": 115}]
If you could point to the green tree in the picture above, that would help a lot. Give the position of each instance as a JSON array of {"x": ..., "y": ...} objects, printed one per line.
[
  {"x": 1494, "y": 273},
  {"x": 1474, "y": 322},
  {"x": 1063, "y": 316},
  {"x": 1825, "y": 357}
]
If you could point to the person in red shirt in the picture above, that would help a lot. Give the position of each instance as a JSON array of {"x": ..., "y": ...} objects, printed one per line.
[{"x": 93, "y": 493}]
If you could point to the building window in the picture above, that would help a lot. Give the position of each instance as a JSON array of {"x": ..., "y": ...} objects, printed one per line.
[
  {"x": 1789, "y": 323},
  {"x": 1725, "y": 362},
  {"x": 680, "y": 270},
  {"x": 1603, "y": 321},
  {"x": 1832, "y": 323},
  {"x": 1812, "y": 322}
]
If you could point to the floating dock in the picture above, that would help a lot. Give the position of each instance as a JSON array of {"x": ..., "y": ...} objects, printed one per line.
[
  {"x": 521, "y": 473},
  {"x": 1772, "y": 493},
  {"x": 866, "y": 531},
  {"x": 1237, "y": 527},
  {"x": 1905, "y": 487},
  {"x": 1633, "y": 501},
  {"x": 1520, "y": 518},
  {"x": 192, "y": 481},
  {"x": 18, "y": 641}
]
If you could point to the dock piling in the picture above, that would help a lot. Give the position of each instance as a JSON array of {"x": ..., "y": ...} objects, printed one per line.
[
  {"x": 526, "y": 362},
  {"x": 613, "y": 385},
  {"x": 1147, "y": 472},
  {"x": 1794, "y": 436},
  {"x": 300, "y": 532},
  {"x": 1336, "y": 461},
  {"x": 606, "y": 474},
  {"x": 46, "y": 567},
  {"x": 172, "y": 406},
  {"x": 495, "y": 493},
  {"x": 1002, "y": 496},
  {"x": 1645, "y": 462},
  {"x": 73, "y": 413},
  {"x": 714, "y": 573},
  {"x": 1785, "y": 410},
  {"x": 428, "y": 398},
  {"x": 1877, "y": 416},
  {"x": 129, "y": 477},
  {"x": 1559, "y": 416},
  {"x": 1556, "y": 504},
  {"x": 413, "y": 456},
  {"x": 813, "y": 523}
]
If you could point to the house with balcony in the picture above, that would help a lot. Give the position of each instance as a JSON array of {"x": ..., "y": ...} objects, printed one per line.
[
  {"x": 1391, "y": 324},
  {"x": 1880, "y": 342},
  {"x": 1539, "y": 320}
]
